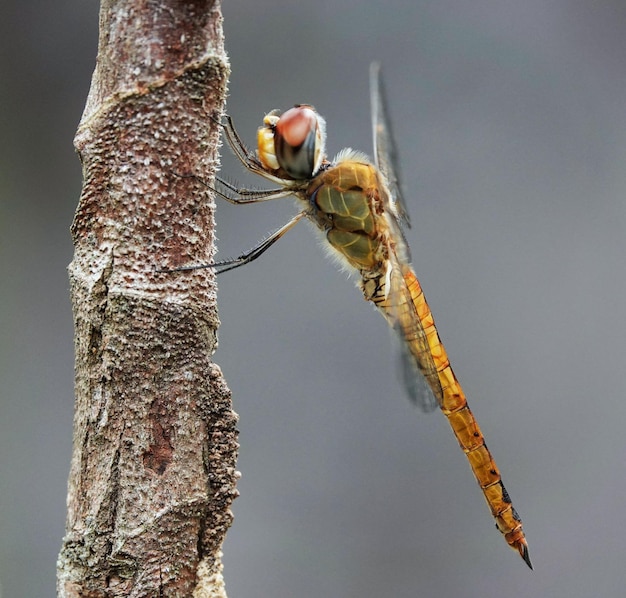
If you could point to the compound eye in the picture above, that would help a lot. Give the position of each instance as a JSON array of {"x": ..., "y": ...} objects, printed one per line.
[{"x": 299, "y": 142}]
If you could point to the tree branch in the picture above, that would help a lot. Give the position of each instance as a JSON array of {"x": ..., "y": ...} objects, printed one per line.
[{"x": 153, "y": 465}]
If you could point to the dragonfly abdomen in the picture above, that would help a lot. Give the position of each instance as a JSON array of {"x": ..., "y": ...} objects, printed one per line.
[{"x": 465, "y": 427}]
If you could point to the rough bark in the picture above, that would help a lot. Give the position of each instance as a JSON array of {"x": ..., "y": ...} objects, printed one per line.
[{"x": 153, "y": 465}]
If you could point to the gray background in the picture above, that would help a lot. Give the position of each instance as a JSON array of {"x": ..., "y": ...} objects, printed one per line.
[{"x": 510, "y": 124}]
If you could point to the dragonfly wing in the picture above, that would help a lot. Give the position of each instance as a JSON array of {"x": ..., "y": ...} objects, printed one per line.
[
  {"x": 419, "y": 370},
  {"x": 417, "y": 388},
  {"x": 385, "y": 153}
]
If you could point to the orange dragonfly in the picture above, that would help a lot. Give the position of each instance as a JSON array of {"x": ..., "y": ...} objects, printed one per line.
[{"x": 359, "y": 208}]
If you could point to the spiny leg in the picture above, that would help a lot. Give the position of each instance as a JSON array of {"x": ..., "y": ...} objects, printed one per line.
[
  {"x": 240, "y": 149},
  {"x": 238, "y": 195},
  {"x": 241, "y": 195},
  {"x": 244, "y": 258},
  {"x": 260, "y": 249}
]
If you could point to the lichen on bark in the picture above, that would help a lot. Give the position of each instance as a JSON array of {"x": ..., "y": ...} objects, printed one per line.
[{"x": 153, "y": 465}]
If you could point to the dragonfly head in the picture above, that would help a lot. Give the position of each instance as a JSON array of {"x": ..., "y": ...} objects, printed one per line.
[{"x": 292, "y": 142}]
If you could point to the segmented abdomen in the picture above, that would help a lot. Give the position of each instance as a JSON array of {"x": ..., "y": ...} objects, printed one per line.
[{"x": 447, "y": 390}]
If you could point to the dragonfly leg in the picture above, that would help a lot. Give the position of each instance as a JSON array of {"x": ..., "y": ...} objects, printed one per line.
[
  {"x": 244, "y": 258},
  {"x": 260, "y": 249},
  {"x": 241, "y": 195},
  {"x": 244, "y": 155},
  {"x": 237, "y": 195},
  {"x": 232, "y": 193}
]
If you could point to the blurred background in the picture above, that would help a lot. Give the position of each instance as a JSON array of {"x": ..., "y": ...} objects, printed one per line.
[{"x": 510, "y": 123}]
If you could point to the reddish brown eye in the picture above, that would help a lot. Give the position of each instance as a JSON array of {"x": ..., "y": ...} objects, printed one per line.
[
  {"x": 299, "y": 141},
  {"x": 296, "y": 124}
]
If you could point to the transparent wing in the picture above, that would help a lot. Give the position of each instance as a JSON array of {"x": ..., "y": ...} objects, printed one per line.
[
  {"x": 399, "y": 306},
  {"x": 385, "y": 153},
  {"x": 417, "y": 388}
]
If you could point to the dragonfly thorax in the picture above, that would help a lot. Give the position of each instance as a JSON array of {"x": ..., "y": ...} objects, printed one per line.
[
  {"x": 346, "y": 203},
  {"x": 291, "y": 145}
]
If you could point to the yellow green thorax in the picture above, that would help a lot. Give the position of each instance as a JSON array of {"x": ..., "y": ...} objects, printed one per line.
[{"x": 345, "y": 198}]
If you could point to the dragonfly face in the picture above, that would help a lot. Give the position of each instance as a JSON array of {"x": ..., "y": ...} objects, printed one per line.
[
  {"x": 358, "y": 205},
  {"x": 291, "y": 145}
]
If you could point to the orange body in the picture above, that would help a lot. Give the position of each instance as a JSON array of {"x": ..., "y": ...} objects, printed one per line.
[
  {"x": 349, "y": 202},
  {"x": 465, "y": 427},
  {"x": 358, "y": 205}
]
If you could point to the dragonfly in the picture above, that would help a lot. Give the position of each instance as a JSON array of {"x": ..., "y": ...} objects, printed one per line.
[{"x": 358, "y": 206}]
